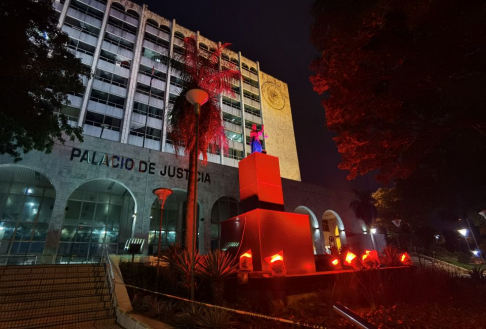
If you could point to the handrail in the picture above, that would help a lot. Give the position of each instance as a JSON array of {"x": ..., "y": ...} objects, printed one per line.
[
  {"x": 352, "y": 317},
  {"x": 109, "y": 275}
]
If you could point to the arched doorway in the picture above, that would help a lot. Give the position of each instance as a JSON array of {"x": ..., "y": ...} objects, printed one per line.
[
  {"x": 99, "y": 212},
  {"x": 224, "y": 208},
  {"x": 314, "y": 226},
  {"x": 333, "y": 230},
  {"x": 26, "y": 202}
]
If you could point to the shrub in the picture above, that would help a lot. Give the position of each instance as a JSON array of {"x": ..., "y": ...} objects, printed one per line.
[{"x": 390, "y": 256}]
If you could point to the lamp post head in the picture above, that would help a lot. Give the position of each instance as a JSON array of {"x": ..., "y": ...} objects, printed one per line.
[
  {"x": 373, "y": 230},
  {"x": 462, "y": 231},
  {"x": 162, "y": 194},
  {"x": 197, "y": 96}
]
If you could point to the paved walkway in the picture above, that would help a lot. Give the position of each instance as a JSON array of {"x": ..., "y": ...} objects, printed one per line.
[{"x": 427, "y": 261}]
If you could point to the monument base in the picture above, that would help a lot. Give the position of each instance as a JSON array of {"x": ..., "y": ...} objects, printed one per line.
[{"x": 266, "y": 232}]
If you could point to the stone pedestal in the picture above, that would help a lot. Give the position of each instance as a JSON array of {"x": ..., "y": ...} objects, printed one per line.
[{"x": 263, "y": 228}]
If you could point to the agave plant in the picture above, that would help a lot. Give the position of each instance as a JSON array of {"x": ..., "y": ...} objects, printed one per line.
[
  {"x": 179, "y": 261},
  {"x": 477, "y": 273},
  {"x": 214, "y": 318},
  {"x": 390, "y": 256},
  {"x": 216, "y": 267},
  {"x": 200, "y": 71}
]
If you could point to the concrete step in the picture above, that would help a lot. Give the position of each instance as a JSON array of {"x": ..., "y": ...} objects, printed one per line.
[
  {"x": 29, "y": 276},
  {"x": 65, "y": 321},
  {"x": 54, "y": 310},
  {"x": 52, "y": 294},
  {"x": 50, "y": 281},
  {"x": 40, "y": 269},
  {"x": 102, "y": 323},
  {"x": 42, "y": 303},
  {"x": 47, "y": 288}
]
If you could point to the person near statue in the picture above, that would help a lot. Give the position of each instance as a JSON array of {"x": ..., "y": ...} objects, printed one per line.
[{"x": 256, "y": 145}]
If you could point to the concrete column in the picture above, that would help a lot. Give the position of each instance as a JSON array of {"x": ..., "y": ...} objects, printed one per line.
[
  {"x": 63, "y": 13},
  {"x": 167, "y": 85},
  {"x": 142, "y": 224},
  {"x": 261, "y": 100},
  {"x": 221, "y": 150},
  {"x": 55, "y": 226},
  {"x": 132, "y": 84},
  {"x": 96, "y": 57},
  {"x": 242, "y": 105}
]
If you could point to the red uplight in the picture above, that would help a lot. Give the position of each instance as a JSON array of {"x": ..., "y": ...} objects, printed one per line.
[
  {"x": 246, "y": 254},
  {"x": 403, "y": 257},
  {"x": 367, "y": 252},
  {"x": 349, "y": 257},
  {"x": 365, "y": 256},
  {"x": 275, "y": 258},
  {"x": 335, "y": 262}
]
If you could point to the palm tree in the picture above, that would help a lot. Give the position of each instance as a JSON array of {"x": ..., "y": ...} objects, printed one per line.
[
  {"x": 200, "y": 71},
  {"x": 216, "y": 267},
  {"x": 364, "y": 207}
]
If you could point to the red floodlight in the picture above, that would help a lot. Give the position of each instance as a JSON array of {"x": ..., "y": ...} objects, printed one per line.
[
  {"x": 406, "y": 259},
  {"x": 246, "y": 261},
  {"x": 350, "y": 257},
  {"x": 335, "y": 262},
  {"x": 277, "y": 265}
]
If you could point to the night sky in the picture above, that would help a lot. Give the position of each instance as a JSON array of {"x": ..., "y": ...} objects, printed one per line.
[{"x": 275, "y": 33}]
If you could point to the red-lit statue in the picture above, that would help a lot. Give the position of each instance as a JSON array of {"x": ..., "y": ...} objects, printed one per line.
[{"x": 256, "y": 145}]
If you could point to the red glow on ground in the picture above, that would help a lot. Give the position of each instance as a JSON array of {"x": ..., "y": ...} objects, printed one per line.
[
  {"x": 335, "y": 262},
  {"x": 349, "y": 257}
]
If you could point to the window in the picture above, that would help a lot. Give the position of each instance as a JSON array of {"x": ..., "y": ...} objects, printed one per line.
[
  {"x": 153, "y": 112},
  {"x": 232, "y": 119},
  {"x": 156, "y": 40},
  {"x": 81, "y": 26},
  {"x": 105, "y": 121},
  {"x": 111, "y": 78},
  {"x": 236, "y": 137},
  {"x": 81, "y": 46},
  {"x": 148, "y": 72},
  {"x": 108, "y": 99},
  {"x": 122, "y": 25},
  {"x": 249, "y": 124},
  {"x": 231, "y": 102},
  {"x": 235, "y": 154},
  {"x": 252, "y": 110},
  {"x": 325, "y": 225},
  {"x": 251, "y": 82},
  {"x": 115, "y": 59},
  {"x": 118, "y": 41},
  {"x": 85, "y": 9},
  {"x": 152, "y": 92},
  {"x": 251, "y": 96}
]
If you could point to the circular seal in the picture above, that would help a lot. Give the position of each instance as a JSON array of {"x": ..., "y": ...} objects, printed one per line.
[{"x": 273, "y": 95}]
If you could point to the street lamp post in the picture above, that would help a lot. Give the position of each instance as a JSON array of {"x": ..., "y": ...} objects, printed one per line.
[
  {"x": 463, "y": 232},
  {"x": 373, "y": 232},
  {"x": 162, "y": 195},
  {"x": 197, "y": 98}
]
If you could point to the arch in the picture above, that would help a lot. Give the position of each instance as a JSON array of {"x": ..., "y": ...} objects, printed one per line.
[
  {"x": 333, "y": 229},
  {"x": 99, "y": 212},
  {"x": 133, "y": 14},
  {"x": 234, "y": 60},
  {"x": 173, "y": 220},
  {"x": 212, "y": 50},
  {"x": 27, "y": 200},
  {"x": 225, "y": 57},
  {"x": 164, "y": 28},
  {"x": 224, "y": 208},
  {"x": 203, "y": 46},
  {"x": 179, "y": 35},
  {"x": 244, "y": 66},
  {"x": 152, "y": 23},
  {"x": 118, "y": 6},
  {"x": 314, "y": 226},
  {"x": 252, "y": 69}
]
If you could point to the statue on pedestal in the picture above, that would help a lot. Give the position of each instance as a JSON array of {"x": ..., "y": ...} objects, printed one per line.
[{"x": 256, "y": 145}]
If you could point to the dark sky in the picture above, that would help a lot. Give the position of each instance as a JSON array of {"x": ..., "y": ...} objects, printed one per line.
[{"x": 275, "y": 33}]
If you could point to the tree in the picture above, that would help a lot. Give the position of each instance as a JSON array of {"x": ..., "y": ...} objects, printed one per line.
[
  {"x": 37, "y": 72},
  {"x": 405, "y": 88},
  {"x": 200, "y": 71},
  {"x": 364, "y": 207}
]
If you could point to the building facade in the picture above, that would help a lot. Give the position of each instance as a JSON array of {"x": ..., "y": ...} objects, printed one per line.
[{"x": 68, "y": 204}]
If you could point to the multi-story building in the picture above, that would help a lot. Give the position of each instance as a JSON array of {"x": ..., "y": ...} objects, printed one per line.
[{"x": 69, "y": 203}]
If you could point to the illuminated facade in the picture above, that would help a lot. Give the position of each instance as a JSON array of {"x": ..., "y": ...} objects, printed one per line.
[{"x": 67, "y": 204}]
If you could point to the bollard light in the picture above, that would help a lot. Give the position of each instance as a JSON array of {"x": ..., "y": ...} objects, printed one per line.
[{"x": 246, "y": 262}]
